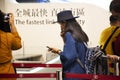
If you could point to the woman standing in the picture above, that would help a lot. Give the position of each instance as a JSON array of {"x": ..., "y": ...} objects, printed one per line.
[
  {"x": 74, "y": 38},
  {"x": 9, "y": 40}
]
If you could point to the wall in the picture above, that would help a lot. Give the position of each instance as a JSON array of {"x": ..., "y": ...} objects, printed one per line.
[
  {"x": 2, "y": 5},
  {"x": 34, "y": 23}
]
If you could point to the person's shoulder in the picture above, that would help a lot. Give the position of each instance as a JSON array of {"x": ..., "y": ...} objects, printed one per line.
[
  {"x": 9, "y": 34},
  {"x": 5, "y": 33},
  {"x": 69, "y": 37},
  {"x": 108, "y": 29},
  {"x": 119, "y": 28},
  {"x": 68, "y": 34}
]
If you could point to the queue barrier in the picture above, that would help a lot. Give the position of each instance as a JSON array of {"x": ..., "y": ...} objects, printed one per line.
[
  {"x": 92, "y": 76},
  {"x": 57, "y": 75},
  {"x": 35, "y": 75},
  {"x": 28, "y": 65}
]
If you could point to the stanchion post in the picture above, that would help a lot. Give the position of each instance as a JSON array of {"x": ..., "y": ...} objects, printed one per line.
[
  {"x": 116, "y": 69},
  {"x": 58, "y": 75}
]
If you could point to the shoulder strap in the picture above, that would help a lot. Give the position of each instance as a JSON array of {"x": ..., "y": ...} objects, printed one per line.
[
  {"x": 109, "y": 38},
  {"x": 78, "y": 60}
]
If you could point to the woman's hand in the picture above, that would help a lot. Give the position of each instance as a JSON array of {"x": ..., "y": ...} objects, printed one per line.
[
  {"x": 113, "y": 58},
  {"x": 11, "y": 19},
  {"x": 54, "y": 50},
  {"x": 11, "y": 22}
]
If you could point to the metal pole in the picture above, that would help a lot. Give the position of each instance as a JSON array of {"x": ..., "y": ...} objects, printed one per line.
[
  {"x": 23, "y": 49},
  {"x": 116, "y": 69},
  {"x": 58, "y": 75}
]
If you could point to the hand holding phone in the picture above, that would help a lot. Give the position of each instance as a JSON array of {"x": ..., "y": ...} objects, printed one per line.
[
  {"x": 49, "y": 48},
  {"x": 53, "y": 50}
]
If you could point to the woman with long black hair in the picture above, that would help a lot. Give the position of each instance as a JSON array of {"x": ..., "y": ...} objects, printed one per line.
[{"x": 74, "y": 44}]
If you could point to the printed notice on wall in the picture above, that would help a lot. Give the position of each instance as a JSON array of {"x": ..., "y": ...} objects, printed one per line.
[
  {"x": 35, "y": 23},
  {"x": 44, "y": 16}
]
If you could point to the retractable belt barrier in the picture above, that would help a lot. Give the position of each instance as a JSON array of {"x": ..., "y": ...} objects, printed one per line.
[
  {"x": 67, "y": 75},
  {"x": 92, "y": 76},
  {"x": 35, "y": 75},
  {"x": 23, "y": 65},
  {"x": 56, "y": 75}
]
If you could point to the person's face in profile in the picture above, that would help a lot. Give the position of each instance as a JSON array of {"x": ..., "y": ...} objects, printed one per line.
[
  {"x": 114, "y": 13},
  {"x": 62, "y": 25},
  {"x": 118, "y": 23}
]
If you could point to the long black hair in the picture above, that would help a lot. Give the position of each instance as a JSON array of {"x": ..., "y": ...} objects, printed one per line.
[
  {"x": 76, "y": 30},
  {"x": 4, "y": 26}
]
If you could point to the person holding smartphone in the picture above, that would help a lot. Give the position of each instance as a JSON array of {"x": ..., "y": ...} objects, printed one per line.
[{"x": 74, "y": 39}]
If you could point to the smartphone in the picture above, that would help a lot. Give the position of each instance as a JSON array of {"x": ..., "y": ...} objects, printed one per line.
[{"x": 48, "y": 47}]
